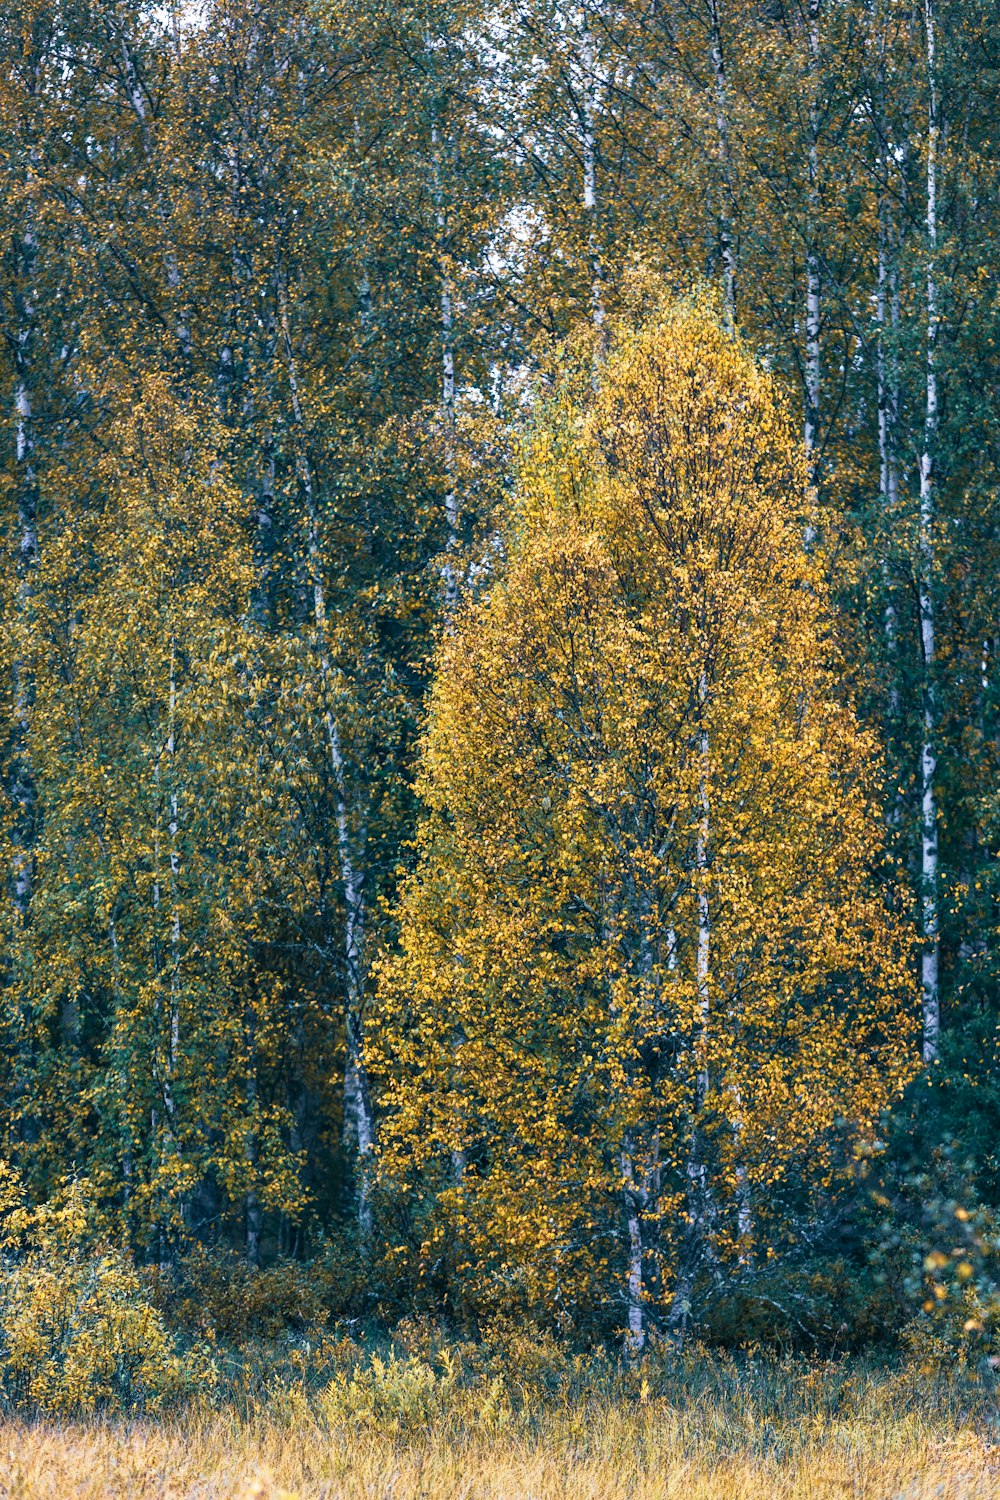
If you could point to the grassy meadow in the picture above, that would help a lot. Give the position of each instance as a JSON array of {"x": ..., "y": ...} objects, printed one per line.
[{"x": 403, "y": 1426}]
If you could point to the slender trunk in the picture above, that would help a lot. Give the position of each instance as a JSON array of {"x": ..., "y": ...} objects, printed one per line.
[
  {"x": 173, "y": 856},
  {"x": 727, "y": 246},
  {"x": 260, "y": 616},
  {"x": 744, "y": 1208},
  {"x": 700, "y": 1207},
  {"x": 928, "y": 754},
  {"x": 887, "y": 393},
  {"x": 446, "y": 307},
  {"x": 161, "y": 1079},
  {"x": 812, "y": 364},
  {"x": 984, "y": 681},
  {"x": 704, "y": 915},
  {"x": 450, "y": 570},
  {"x": 166, "y": 1058},
  {"x": 22, "y": 783},
  {"x": 887, "y": 399},
  {"x": 260, "y": 599},
  {"x": 640, "y": 1192},
  {"x": 140, "y": 108},
  {"x": 251, "y": 1201},
  {"x": 589, "y": 106},
  {"x": 357, "y": 1097},
  {"x": 260, "y": 610},
  {"x": 21, "y": 780},
  {"x": 636, "y": 1335}
]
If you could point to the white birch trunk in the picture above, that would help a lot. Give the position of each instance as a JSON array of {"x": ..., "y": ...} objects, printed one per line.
[
  {"x": 264, "y": 530},
  {"x": 450, "y": 570},
  {"x": 447, "y": 406},
  {"x": 21, "y": 783},
  {"x": 357, "y": 1099},
  {"x": 813, "y": 371},
  {"x": 635, "y": 1338},
  {"x": 886, "y": 446},
  {"x": 640, "y": 1193},
  {"x": 251, "y": 1202},
  {"x": 887, "y": 393},
  {"x": 699, "y": 1193},
  {"x": 984, "y": 672},
  {"x": 173, "y": 862},
  {"x": 928, "y": 753},
  {"x": 356, "y": 1096},
  {"x": 744, "y": 1208},
  {"x": 590, "y": 103},
  {"x": 26, "y": 479},
  {"x": 161, "y": 1056},
  {"x": 727, "y": 246}
]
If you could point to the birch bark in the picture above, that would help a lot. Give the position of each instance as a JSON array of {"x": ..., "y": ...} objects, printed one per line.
[
  {"x": 589, "y": 98},
  {"x": 21, "y": 779},
  {"x": 22, "y": 783},
  {"x": 812, "y": 327},
  {"x": 636, "y": 1335},
  {"x": 589, "y": 106},
  {"x": 357, "y": 1097},
  {"x": 173, "y": 859},
  {"x": 887, "y": 383},
  {"x": 446, "y": 310},
  {"x": 926, "y": 566},
  {"x": 727, "y": 247},
  {"x": 641, "y": 1192},
  {"x": 699, "y": 1192},
  {"x": 161, "y": 1057},
  {"x": 251, "y": 1201}
]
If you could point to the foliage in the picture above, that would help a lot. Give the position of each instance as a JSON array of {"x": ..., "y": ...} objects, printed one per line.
[
  {"x": 646, "y": 973},
  {"x": 284, "y": 291},
  {"x": 222, "y": 1296},
  {"x": 78, "y": 1330},
  {"x": 748, "y": 1425}
]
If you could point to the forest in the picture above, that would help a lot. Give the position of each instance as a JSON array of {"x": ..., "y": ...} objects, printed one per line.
[{"x": 499, "y": 710}]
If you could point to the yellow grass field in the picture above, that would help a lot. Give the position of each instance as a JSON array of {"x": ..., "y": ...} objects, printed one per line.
[{"x": 881, "y": 1438}]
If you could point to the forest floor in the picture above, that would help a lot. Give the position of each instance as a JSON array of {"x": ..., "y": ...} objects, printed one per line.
[{"x": 819, "y": 1434}]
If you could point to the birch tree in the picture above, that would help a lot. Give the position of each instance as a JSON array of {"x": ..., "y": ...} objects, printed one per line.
[
  {"x": 928, "y": 751},
  {"x": 647, "y": 882}
]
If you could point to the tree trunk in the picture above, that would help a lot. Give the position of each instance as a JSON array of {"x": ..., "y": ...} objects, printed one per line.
[
  {"x": 22, "y": 783},
  {"x": 589, "y": 97},
  {"x": 812, "y": 364},
  {"x": 635, "y": 1338},
  {"x": 727, "y": 247},
  {"x": 251, "y": 1201},
  {"x": 700, "y": 1207},
  {"x": 887, "y": 403},
  {"x": 357, "y": 1097},
  {"x": 928, "y": 754},
  {"x": 887, "y": 396},
  {"x": 173, "y": 856},
  {"x": 450, "y": 571}
]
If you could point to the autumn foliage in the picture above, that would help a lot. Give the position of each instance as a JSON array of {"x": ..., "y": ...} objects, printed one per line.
[
  {"x": 499, "y": 714},
  {"x": 649, "y": 973}
]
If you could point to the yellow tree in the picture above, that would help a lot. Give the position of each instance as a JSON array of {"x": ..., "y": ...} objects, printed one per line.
[
  {"x": 646, "y": 967},
  {"x": 145, "y": 987}
]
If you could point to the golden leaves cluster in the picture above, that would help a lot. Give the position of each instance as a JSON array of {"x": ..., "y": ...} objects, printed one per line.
[{"x": 648, "y": 902}]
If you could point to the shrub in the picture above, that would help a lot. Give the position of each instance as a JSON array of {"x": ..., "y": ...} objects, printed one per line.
[
  {"x": 78, "y": 1331},
  {"x": 218, "y": 1293}
]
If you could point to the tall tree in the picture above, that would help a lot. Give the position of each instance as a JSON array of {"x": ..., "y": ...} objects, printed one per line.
[{"x": 648, "y": 893}]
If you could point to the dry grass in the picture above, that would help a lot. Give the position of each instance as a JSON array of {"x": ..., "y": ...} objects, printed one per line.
[{"x": 878, "y": 1439}]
